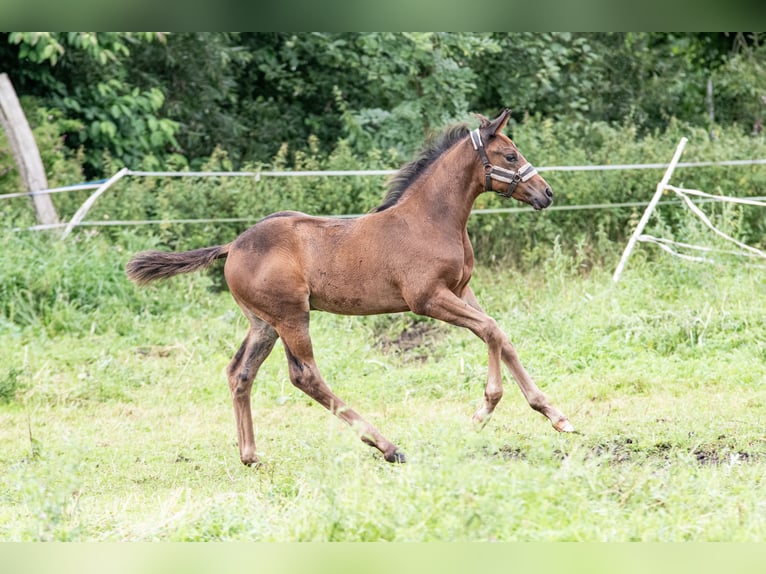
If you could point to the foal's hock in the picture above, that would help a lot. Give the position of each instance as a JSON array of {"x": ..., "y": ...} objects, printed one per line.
[{"x": 411, "y": 253}]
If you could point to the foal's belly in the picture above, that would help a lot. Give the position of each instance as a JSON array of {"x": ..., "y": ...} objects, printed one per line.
[{"x": 345, "y": 296}]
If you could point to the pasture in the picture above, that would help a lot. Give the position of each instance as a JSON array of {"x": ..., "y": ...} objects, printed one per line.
[{"x": 116, "y": 422}]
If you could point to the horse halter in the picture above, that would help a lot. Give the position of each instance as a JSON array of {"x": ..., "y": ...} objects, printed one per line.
[{"x": 513, "y": 178}]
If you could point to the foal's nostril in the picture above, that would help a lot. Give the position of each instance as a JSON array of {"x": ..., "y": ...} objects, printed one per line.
[{"x": 548, "y": 192}]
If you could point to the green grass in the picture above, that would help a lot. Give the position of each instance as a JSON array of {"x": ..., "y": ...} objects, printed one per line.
[{"x": 116, "y": 422}]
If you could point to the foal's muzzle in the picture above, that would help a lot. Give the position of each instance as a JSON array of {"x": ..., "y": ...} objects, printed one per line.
[{"x": 541, "y": 201}]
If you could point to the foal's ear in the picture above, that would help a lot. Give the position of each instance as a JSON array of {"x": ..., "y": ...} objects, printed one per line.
[{"x": 493, "y": 127}]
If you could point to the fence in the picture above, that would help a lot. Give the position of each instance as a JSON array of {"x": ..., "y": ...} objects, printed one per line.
[
  {"x": 101, "y": 187},
  {"x": 683, "y": 194}
]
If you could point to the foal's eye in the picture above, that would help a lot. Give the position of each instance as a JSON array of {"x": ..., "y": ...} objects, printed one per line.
[{"x": 511, "y": 157}]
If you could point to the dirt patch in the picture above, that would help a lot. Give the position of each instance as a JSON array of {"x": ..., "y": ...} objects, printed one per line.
[
  {"x": 506, "y": 452},
  {"x": 626, "y": 450},
  {"x": 618, "y": 451},
  {"x": 415, "y": 341},
  {"x": 705, "y": 455},
  {"x": 710, "y": 456}
]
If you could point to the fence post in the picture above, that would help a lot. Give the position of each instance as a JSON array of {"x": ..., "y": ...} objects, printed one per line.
[
  {"x": 649, "y": 209},
  {"x": 88, "y": 203},
  {"x": 25, "y": 151}
]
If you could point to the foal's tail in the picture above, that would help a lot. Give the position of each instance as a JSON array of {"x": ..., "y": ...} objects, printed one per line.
[{"x": 149, "y": 266}]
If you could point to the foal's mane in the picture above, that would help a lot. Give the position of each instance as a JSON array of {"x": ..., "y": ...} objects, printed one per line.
[{"x": 406, "y": 176}]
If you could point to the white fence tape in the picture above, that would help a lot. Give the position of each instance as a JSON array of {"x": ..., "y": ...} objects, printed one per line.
[
  {"x": 682, "y": 193},
  {"x": 102, "y": 186},
  {"x": 650, "y": 208}
]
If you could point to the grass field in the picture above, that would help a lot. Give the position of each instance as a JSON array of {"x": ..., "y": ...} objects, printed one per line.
[{"x": 121, "y": 429}]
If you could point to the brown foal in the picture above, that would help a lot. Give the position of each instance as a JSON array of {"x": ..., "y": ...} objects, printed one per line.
[{"x": 412, "y": 253}]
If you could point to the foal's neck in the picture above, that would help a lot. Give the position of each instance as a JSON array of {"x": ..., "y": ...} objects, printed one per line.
[{"x": 446, "y": 193}]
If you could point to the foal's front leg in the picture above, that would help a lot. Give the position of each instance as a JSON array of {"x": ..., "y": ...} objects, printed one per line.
[
  {"x": 448, "y": 307},
  {"x": 535, "y": 397},
  {"x": 467, "y": 312}
]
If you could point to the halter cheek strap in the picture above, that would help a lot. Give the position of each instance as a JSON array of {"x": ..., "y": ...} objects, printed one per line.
[{"x": 512, "y": 178}]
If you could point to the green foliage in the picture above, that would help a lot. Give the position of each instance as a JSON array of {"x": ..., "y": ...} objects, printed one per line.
[
  {"x": 740, "y": 88},
  {"x": 85, "y": 75},
  {"x": 519, "y": 238},
  {"x": 428, "y": 85},
  {"x": 376, "y": 90},
  {"x": 320, "y": 101},
  {"x": 122, "y": 121},
  {"x": 197, "y": 75},
  {"x": 243, "y": 199},
  {"x": 37, "y": 47},
  {"x": 55, "y": 288},
  {"x": 11, "y": 384},
  {"x": 646, "y": 78}
]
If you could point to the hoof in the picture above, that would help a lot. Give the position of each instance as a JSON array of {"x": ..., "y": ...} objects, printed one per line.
[
  {"x": 397, "y": 456},
  {"x": 480, "y": 419},
  {"x": 253, "y": 462},
  {"x": 563, "y": 425}
]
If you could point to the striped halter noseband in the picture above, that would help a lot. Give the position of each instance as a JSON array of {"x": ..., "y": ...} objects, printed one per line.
[{"x": 512, "y": 178}]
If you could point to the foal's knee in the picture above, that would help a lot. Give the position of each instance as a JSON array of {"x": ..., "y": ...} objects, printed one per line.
[
  {"x": 492, "y": 334},
  {"x": 306, "y": 381},
  {"x": 493, "y": 396},
  {"x": 301, "y": 376}
]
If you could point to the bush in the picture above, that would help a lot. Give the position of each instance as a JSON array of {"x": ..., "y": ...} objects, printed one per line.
[{"x": 501, "y": 237}]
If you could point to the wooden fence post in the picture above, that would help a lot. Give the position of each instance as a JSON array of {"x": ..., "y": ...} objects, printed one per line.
[
  {"x": 649, "y": 209},
  {"x": 25, "y": 151}
]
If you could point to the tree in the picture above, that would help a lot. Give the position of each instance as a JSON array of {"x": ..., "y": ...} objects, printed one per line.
[
  {"x": 646, "y": 78},
  {"x": 85, "y": 76},
  {"x": 155, "y": 99},
  {"x": 198, "y": 75},
  {"x": 379, "y": 90}
]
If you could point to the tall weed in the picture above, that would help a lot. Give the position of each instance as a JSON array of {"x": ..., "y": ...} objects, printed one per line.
[{"x": 79, "y": 285}]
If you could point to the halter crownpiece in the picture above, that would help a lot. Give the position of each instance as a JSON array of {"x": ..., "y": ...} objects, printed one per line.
[{"x": 513, "y": 178}]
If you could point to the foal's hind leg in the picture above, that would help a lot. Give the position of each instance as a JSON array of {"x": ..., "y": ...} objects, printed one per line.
[
  {"x": 535, "y": 397},
  {"x": 305, "y": 375},
  {"x": 241, "y": 372}
]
